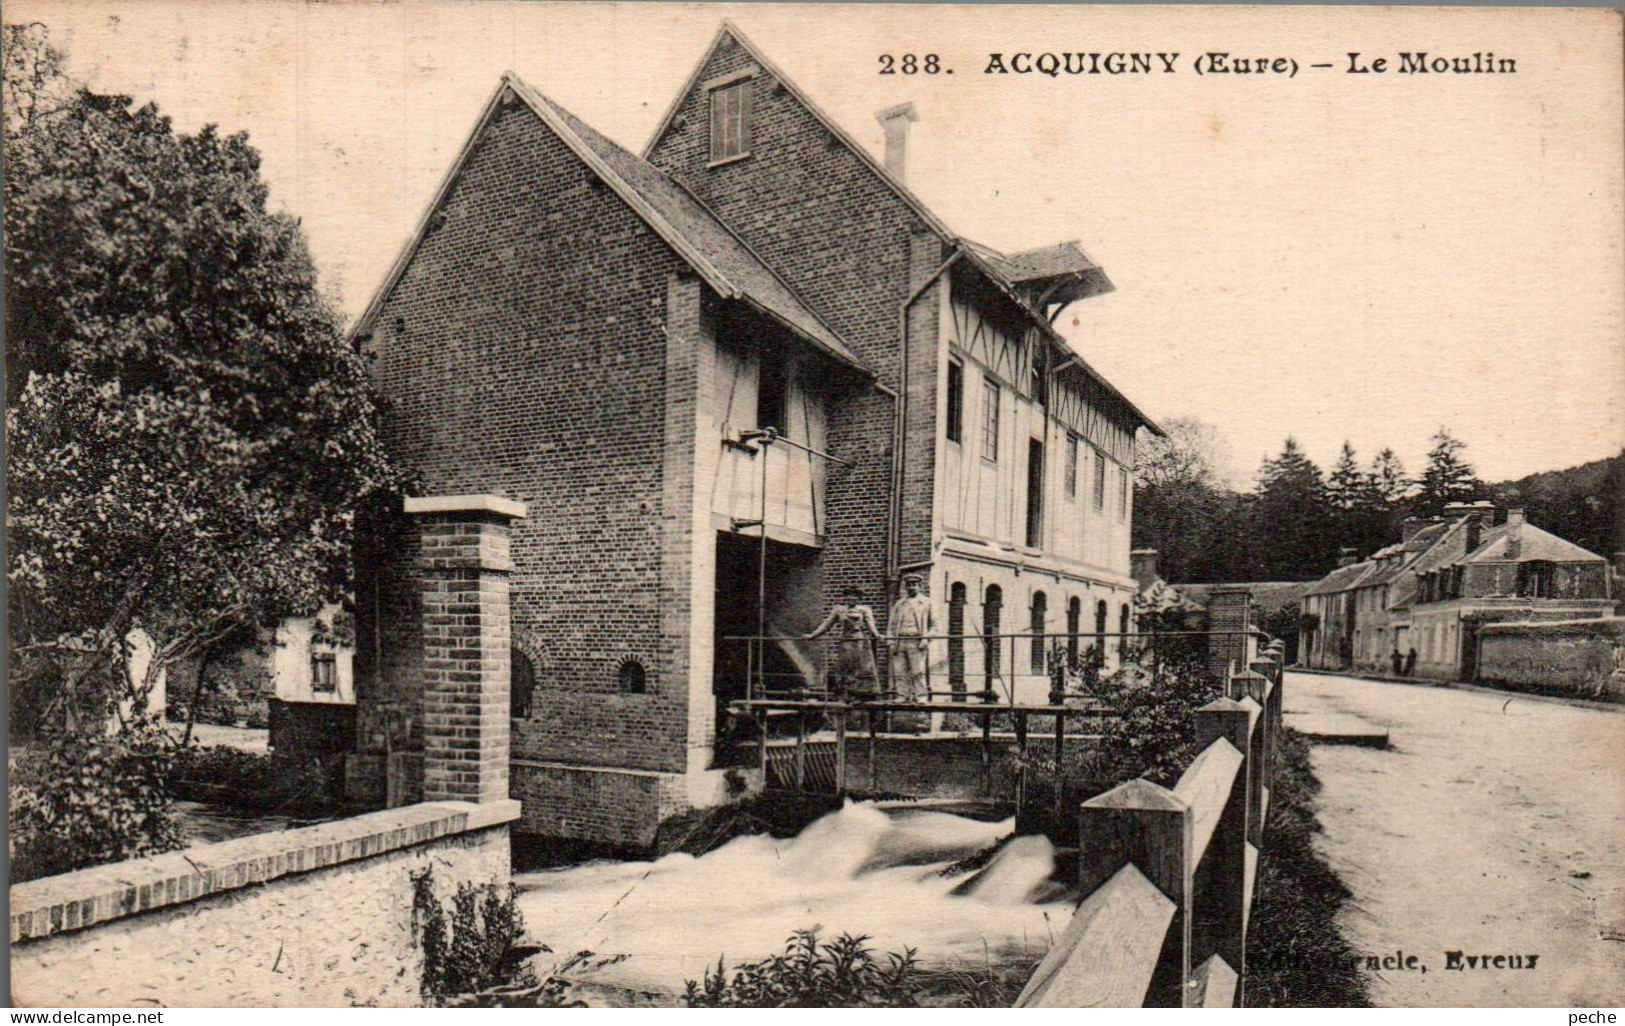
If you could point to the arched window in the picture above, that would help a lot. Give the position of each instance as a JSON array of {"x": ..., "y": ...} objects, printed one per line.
[
  {"x": 1100, "y": 626},
  {"x": 1122, "y": 628},
  {"x": 992, "y": 603},
  {"x": 632, "y": 677},
  {"x": 956, "y": 638},
  {"x": 1040, "y": 616},
  {"x": 521, "y": 683},
  {"x": 1074, "y": 623}
]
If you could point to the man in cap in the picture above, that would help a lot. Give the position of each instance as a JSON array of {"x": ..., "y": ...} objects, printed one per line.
[{"x": 911, "y": 626}]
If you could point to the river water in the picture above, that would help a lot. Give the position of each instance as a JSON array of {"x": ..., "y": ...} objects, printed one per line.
[{"x": 860, "y": 870}]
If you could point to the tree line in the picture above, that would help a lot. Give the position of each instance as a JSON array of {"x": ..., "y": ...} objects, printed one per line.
[{"x": 1297, "y": 519}]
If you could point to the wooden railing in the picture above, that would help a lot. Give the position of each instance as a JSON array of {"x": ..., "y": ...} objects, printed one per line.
[{"x": 1167, "y": 875}]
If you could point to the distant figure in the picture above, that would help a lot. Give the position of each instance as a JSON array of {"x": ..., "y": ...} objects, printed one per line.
[
  {"x": 854, "y": 624},
  {"x": 1410, "y": 661},
  {"x": 1398, "y": 662},
  {"x": 911, "y": 627}
]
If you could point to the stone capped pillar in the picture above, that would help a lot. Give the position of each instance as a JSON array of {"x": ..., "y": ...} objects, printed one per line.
[
  {"x": 1230, "y": 610},
  {"x": 463, "y": 572}
]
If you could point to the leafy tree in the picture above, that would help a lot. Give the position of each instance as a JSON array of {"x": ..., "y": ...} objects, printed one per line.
[
  {"x": 1448, "y": 477},
  {"x": 188, "y": 432},
  {"x": 1294, "y": 527},
  {"x": 1182, "y": 507}
]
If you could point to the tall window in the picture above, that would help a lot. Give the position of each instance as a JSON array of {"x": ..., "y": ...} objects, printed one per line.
[
  {"x": 956, "y": 638},
  {"x": 1100, "y": 480},
  {"x": 1035, "y": 493},
  {"x": 1100, "y": 627},
  {"x": 1122, "y": 628},
  {"x": 1122, "y": 494},
  {"x": 1535, "y": 579},
  {"x": 956, "y": 400},
  {"x": 1040, "y": 616},
  {"x": 730, "y": 121},
  {"x": 990, "y": 420},
  {"x": 1072, "y": 466},
  {"x": 773, "y": 393}
]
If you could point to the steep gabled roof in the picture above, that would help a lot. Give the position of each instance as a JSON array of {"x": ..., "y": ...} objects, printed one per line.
[
  {"x": 682, "y": 221},
  {"x": 981, "y": 257}
]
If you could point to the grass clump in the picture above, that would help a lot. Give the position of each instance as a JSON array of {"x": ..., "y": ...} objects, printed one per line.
[{"x": 1296, "y": 957}]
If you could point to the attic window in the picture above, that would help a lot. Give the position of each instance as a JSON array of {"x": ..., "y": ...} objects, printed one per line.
[{"x": 730, "y": 121}]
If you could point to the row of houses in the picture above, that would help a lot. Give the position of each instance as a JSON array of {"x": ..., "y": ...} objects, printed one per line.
[{"x": 1438, "y": 587}]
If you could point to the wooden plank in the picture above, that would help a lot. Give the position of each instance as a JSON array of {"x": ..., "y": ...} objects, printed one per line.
[
  {"x": 1248, "y": 876},
  {"x": 1213, "y": 985},
  {"x": 1106, "y": 956},
  {"x": 1205, "y": 787},
  {"x": 801, "y": 752},
  {"x": 840, "y": 753}
]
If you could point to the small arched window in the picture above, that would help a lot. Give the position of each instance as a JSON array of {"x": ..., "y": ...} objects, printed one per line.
[
  {"x": 1100, "y": 626},
  {"x": 1074, "y": 622},
  {"x": 521, "y": 683},
  {"x": 956, "y": 638},
  {"x": 632, "y": 677}
]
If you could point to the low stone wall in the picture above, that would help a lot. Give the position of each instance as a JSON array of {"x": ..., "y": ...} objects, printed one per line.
[
  {"x": 1579, "y": 657},
  {"x": 320, "y": 916}
]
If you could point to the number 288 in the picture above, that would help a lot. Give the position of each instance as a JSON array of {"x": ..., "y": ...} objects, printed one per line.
[{"x": 910, "y": 64}]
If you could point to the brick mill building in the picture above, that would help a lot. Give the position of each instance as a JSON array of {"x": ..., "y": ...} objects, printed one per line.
[{"x": 577, "y": 348}]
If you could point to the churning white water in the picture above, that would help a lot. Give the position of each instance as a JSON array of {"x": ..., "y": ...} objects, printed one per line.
[{"x": 859, "y": 870}]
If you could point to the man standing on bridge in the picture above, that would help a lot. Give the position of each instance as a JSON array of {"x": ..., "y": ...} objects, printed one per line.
[{"x": 911, "y": 626}]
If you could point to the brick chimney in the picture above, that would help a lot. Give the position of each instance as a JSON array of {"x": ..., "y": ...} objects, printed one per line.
[
  {"x": 1514, "y": 546},
  {"x": 1347, "y": 556},
  {"x": 1143, "y": 566},
  {"x": 895, "y": 121},
  {"x": 1408, "y": 529},
  {"x": 1475, "y": 533}
]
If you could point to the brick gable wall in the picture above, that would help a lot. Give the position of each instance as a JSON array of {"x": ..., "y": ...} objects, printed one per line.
[
  {"x": 845, "y": 241},
  {"x": 524, "y": 352}
]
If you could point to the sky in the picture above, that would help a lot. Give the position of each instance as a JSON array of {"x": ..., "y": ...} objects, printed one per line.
[{"x": 1330, "y": 256}]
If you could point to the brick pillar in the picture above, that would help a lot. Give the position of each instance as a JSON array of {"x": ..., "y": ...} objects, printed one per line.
[
  {"x": 463, "y": 570},
  {"x": 1230, "y": 609}
]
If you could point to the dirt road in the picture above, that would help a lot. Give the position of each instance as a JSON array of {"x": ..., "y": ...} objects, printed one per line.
[{"x": 1494, "y": 826}]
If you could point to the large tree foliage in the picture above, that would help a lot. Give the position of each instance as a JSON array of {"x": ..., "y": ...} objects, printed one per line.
[
  {"x": 187, "y": 430},
  {"x": 1448, "y": 477},
  {"x": 1295, "y": 521}
]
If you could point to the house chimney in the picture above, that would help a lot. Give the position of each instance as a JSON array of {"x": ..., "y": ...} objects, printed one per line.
[
  {"x": 1143, "y": 566},
  {"x": 1514, "y": 517},
  {"x": 1347, "y": 556},
  {"x": 1408, "y": 529},
  {"x": 1475, "y": 533},
  {"x": 895, "y": 120}
]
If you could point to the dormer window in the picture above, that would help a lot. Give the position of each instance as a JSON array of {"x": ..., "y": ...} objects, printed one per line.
[{"x": 730, "y": 120}]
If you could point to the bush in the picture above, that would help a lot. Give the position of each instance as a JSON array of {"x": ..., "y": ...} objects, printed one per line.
[
  {"x": 257, "y": 781},
  {"x": 82, "y": 800},
  {"x": 1153, "y": 735},
  {"x": 843, "y": 973},
  {"x": 476, "y": 947}
]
